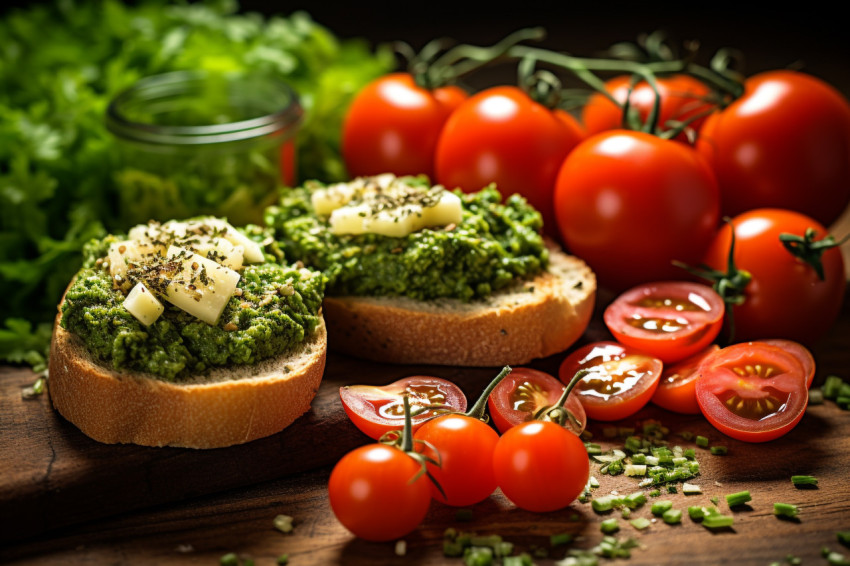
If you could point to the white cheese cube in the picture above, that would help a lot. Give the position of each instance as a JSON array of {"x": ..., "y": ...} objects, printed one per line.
[
  {"x": 200, "y": 286},
  {"x": 141, "y": 303}
]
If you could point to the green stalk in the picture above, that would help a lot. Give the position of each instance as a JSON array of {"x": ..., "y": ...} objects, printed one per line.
[{"x": 477, "y": 410}]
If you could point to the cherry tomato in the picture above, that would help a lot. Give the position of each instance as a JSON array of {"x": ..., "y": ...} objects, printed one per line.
[
  {"x": 373, "y": 494},
  {"x": 465, "y": 446},
  {"x": 784, "y": 144},
  {"x": 682, "y": 97},
  {"x": 670, "y": 319},
  {"x": 677, "y": 387},
  {"x": 501, "y": 135},
  {"x": 803, "y": 355},
  {"x": 621, "y": 380},
  {"x": 785, "y": 298},
  {"x": 629, "y": 203},
  {"x": 523, "y": 393},
  {"x": 377, "y": 410},
  {"x": 393, "y": 125},
  {"x": 752, "y": 391},
  {"x": 541, "y": 466}
]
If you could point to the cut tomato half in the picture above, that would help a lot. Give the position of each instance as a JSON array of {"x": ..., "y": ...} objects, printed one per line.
[
  {"x": 677, "y": 387},
  {"x": 671, "y": 320},
  {"x": 524, "y": 392},
  {"x": 376, "y": 410},
  {"x": 798, "y": 351},
  {"x": 621, "y": 380},
  {"x": 752, "y": 391}
]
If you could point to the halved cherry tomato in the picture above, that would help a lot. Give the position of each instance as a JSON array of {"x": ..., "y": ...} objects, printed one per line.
[
  {"x": 670, "y": 319},
  {"x": 523, "y": 393},
  {"x": 752, "y": 391},
  {"x": 377, "y": 410},
  {"x": 677, "y": 388},
  {"x": 621, "y": 380},
  {"x": 803, "y": 355}
]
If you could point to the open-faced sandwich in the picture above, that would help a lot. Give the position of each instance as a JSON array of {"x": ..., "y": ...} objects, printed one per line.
[
  {"x": 419, "y": 274},
  {"x": 186, "y": 334}
]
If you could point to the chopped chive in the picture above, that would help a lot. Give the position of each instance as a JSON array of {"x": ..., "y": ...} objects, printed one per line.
[
  {"x": 832, "y": 386},
  {"x": 640, "y": 523},
  {"x": 633, "y": 444},
  {"x": 843, "y": 401},
  {"x": 452, "y": 548},
  {"x": 593, "y": 482},
  {"x": 604, "y": 503},
  {"x": 400, "y": 548},
  {"x": 463, "y": 515},
  {"x": 560, "y": 539},
  {"x": 717, "y": 521},
  {"x": 696, "y": 512},
  {"x": 229, "y": 559},
  {"x": 450, "y": 533},
  {"x": 632, "y": 470},
  {"x": 785, "y": 510},
  {"x": 654, "y": 493},
  {"x": 592, "y": 448},
  {"x": 736, "y": 499},
  {"x": 687, "y": 435},
  {"x": 793, "y": 560},
  {"x": 719, "y": 450},
  {"x": 283, "y": 560},
  {"x": 478, "y": 556},
  {"x": 626, "y": 513},
  {"x": 491, "y": 541},
  {"x": 671, "y": 489},
  {"x": 672, "y": 516},
  {"x": 283, "y": 523},
  {"x": 523, "y": 559},
  {"x": 804, "y": 481},
  {"x": 639, "y": 458},
  {"x": 659, "y": 507},
  {"x": 691, "y": 489},
  {"x": 609, "y": 526},
  {"x": 843, "y": 537},
  {"x": 837, "y": 559},
  {"x": 702, "y": 442},
  {"x": 689, "y": 453},
  {"x": 815, "y": 397},
  {"x": 634, "y": 500},
  {"x": 504, "y": 548}
]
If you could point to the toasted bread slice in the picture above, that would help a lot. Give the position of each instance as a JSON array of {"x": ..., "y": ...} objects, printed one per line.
[
  {"x": 227, "y": 406},
  {"x": 532, "y": 319}
]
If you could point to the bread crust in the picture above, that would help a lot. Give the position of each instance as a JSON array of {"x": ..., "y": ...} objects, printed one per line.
[
  {"x": 532, "y": 320},
  {"x": 232, "y": 406}
]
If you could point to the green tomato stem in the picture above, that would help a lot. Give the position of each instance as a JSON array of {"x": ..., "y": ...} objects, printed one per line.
[{"x": 477, "y": 410}]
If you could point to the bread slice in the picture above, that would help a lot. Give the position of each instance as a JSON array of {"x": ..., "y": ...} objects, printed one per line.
[
  {"x": 225, "y": 407},
  {"x": 532, "y": 319}
]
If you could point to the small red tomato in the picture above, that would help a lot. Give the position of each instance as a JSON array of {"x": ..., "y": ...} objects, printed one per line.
[
  {"x": 523, "y": 393},
  {"x": 502, "y": 136},
  {"x": 677, "y": 387},
  {"x": 373, "y": 493},
  {"x": 670, "y": 320},
  {"x": 752, "y": 391},
  {"x": 464, "y": 447},
  {"x": 376, "y": 410},
  {"x": 393, "y": 124},
  {"x": 541, "y": 466},
  {"x": 621, "y": 379}
]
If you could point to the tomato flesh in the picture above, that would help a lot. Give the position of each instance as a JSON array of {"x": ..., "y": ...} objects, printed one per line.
[
  {"x": 752, "y": 391},
  {"x": 621, "y": 380},
  {"x": 677, "y": 388},
  {"x": 671, "y": 320},
  {"x": 376, "y": 410},
  {"x": 526, "y": 391},
  {"x": 803, "y": 355}
]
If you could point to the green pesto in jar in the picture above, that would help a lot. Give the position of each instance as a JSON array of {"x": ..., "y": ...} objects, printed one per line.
[
  {"x": 259, "y": 322},
  {"x": 494, "y": 245}
]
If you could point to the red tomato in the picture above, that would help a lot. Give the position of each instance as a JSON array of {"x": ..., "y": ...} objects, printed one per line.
[
  {"x": 523, "y": 393},
  {"x": 465, "y": 446},
  {"x": 393, "y": 124},
  {"x": 784, "y": 144},
  {"x": 803, "y": 355},
  {"x": 501, "y": 135},
  {"x": 629, "y": 203},
  {"x": 752, "y": 391},
  {"x": 670, "y": 320},
  {"x": 372, "y": 492},
  {"x": 682, "y": 97},
  {"x": 677, "y": 387},
  {"x": 377, "y": 410},
  {"x": 621, "y": 379},
  {"x": 541, "y": 466},
  {"x": 785, "y": 298}
]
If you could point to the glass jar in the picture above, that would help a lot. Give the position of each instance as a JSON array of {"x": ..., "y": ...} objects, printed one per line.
[{"x": 196, "y": 143}]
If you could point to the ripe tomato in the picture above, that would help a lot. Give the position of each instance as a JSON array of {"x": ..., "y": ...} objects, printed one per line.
[
  {"x": 803, "y": 355},
  {"x": 752, "y": 391},
  {"x": 501, "y": 135},
  {"x": 682, "y": 97},
  {"x": 677, "y": 387},
  {"x": 377, "y": 410},
  {"x": 465, "y": 446},
  {"x": 541, "y": 466},
  {"x": 621, "y": 380},
  {"x": 629, "y": 203},
  {"x": 670, "y": 320},
  {"x": 785, "y": 297},
  {"x": 784, "y": 144},
  {"x": 393, "y": 124},
  {"x": 523, "y": 393},
  {"x": 372, "y": 492}
]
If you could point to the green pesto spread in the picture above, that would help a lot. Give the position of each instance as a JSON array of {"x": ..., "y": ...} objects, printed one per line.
[
  {"x": 274, "y": 308},
  {"x": 495, "y": 245}
]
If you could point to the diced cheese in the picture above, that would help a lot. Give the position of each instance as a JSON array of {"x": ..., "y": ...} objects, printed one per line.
[
  {"x": 141, "y": 303},
  {"x": 126, "y": 252},
  {"x": 199, "y": 286}
]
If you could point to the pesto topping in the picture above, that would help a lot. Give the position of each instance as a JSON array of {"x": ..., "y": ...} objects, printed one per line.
[{"x": 493, "y": 246}]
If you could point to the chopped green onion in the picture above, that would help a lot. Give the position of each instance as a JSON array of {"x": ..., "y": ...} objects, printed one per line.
[
  {"x": 719, "y": 450},
  {"x": 832, "y": 386},
  {"x": 605, "y": 503},
  {"x": 671, "y": 488},
  {"x": 560, "y": 539},
  {"x": 804, "y": 481},
  {"x": 659, "y": 507},
  {"x": 639, "y": 458},
  {"x": 843, "y": 401},
  {"x": 672, "y": 516},
  {"x": 702, "y": 442},
  {"x": 633, "y": 444},
  {"x": 283, "y": 560},
  {"x": 626, "y": 513},
  {"x": 837, "y": 559},
  {"x": 452, "y": 548},
  {"x": 592, "y": 448},
  {"x": 815, "y": 397},
  {"x": 736, "y": 499},
  {"x": 714, "y": 500},
  {"x": 400, "y": 548},
  {"x": 654, "y": 493},
  {"x": 640, "y": 523},
  {"x": 450, "y": 533},
  {"x": 593, "y": 482},
  {"x": 463, "y": 515},
  {"x": 687, "y": 435},
  {"x": 283, "y": 523},
  {"x": 691, "y": 489},
  {"x": 717, "y": 521},
  {"x": 609, "y": 526},
  {"x": 632, "y": 470},
  {"x": 478, "y": 556},
  {"x": 229, "y": 559},
  {"x": 793, "y": 560},
  {"x": 689, "y": 453},
  {"x": 523, "y": 559},
  {"x": 785, "y": 510},
  {"x": 504, "y": 548},
  {"x": 843, "y": 537},
  {"x": 696, "y": 512},
  {"x": 634, "y": 500},
  {"x": 491, "y": 541}
]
